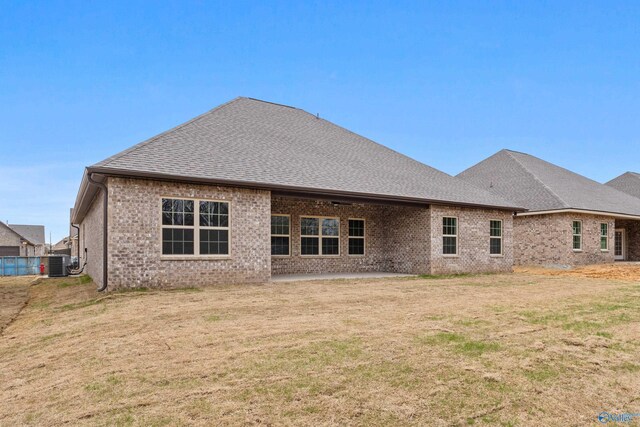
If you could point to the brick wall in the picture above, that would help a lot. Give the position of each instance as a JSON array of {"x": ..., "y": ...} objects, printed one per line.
[
  {"x": 473, "y": 241},
  {"x": 548, "y": 240},
  {"x": 396, "y": 238},
  {"x": 408, "y": 242},
  {"x": 91, "y": 238},
  {"x": 135, "y": 257},
  {"x": 632, "y": 236}
]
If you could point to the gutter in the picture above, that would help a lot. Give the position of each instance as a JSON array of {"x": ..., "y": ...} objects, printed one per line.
[
  {"x": 579, "y": 211},
  {"x": 105, "y": 230}
]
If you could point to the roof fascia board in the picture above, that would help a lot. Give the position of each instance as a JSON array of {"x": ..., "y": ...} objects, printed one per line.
[
  {"x": 275, "y": 187},
  {"x": 579, "y": 211}
]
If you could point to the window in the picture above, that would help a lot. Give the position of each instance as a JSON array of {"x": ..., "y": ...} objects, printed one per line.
[
  {"x": 577, "y": 235},
  {"x": 356, "y": 237},
  {"x": 495, "y": 237},
  {"x": 449, "y": 236},
  {"x": 604, "y": 236},
  {"x": 319, "y": 236},
  {"x": 182, "y": 234},
  {"x": 280, "y": 235}
]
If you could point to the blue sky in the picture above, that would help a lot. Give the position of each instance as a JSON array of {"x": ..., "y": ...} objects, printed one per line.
[{"x": 448, "y": 83}]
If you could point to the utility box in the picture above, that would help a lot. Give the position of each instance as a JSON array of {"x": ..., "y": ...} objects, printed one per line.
[{"x": 58, "y": 265}]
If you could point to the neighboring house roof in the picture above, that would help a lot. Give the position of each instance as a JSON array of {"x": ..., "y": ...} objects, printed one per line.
[
  {"x": 260, "y": 144},
  {"x": 542, "y": 186},
  {"x": 628, "y": 182},
  {"x": 33, "y": 233},
  {"x": 62, "y": 244},
  {"x": 9, "y": 227}
]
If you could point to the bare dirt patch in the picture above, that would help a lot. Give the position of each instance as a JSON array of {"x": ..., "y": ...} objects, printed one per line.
[
  {"x": 14, "y": 293},
  {"x": 630, "y": 272},
  {"x": 512, "y": 349}
]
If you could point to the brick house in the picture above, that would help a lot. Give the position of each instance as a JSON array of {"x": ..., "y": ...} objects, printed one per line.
[
  {"x": 21, "y": 240},
  {"x": 253, "y": 189},
  {"x": 570, "y": 219}
]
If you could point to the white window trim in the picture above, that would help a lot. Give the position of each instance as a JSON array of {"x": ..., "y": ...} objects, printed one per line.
[
  {"x": 606, "y": 237},
  {"x": 363, "y": 238},
  {"x": 320, "y": 237},
  {"x": 573, "y": 235},
  {"x": 196, "y": 231},
  {"x": 451, "y": 235},
  {"x": 501, "y": 254},
  {"x": 282, "y": 235}
]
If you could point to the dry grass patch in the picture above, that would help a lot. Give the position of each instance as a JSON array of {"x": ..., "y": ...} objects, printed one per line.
[{"x": 510, "y": 349}]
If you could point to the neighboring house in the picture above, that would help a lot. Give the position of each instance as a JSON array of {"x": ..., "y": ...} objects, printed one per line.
[
  {"x": 63, "y": 247},
  {"x": 570, "y": 219},
  {"x": 21, "y": 240},
  {"x": 628, "y": 182},
  {"x": 252, "y": 188}
]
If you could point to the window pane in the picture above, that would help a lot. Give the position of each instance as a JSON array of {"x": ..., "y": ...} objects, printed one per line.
[
  {"x": 279, "y": 245},
  {"x": 177, "y": 212},
  {"x": 495, "y": 246},
  {"x": 309, "y": 245},
  {"x": 309, "y": 226},
  {"x": 356, "y": 246},
  {"x": 330, "y": 227},
  {"x": 166, "y": 218},
  {"x": 495, "y": 228},
  {"x": 449, "y": 226},
  {"x": 279, "y": 224},
  {"x": 214, "y": 242},
  {"x": 577, "y": 242},
  {"x": 603, "y": 243},
  {"x": 356, "y": 228},
  {"x": 214, "y": 214},
  {"x": 330, "y": 246},
  {"x": 577, "y": 227},
  {"x": 177, "y": 241},
  {"x": 604, "y": 229},
  {"x": 449, "y": 245}
]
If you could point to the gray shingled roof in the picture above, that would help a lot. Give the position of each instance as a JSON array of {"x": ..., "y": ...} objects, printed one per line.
[
  {"x": 247, "y": 141},
  {"x": 540, "y": 186},
  {"x": 33, "y": 233},
  {"x": 628, "y": 182}
]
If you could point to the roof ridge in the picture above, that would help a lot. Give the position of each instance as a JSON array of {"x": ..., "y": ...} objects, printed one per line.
[
  {"x": 108, "y": 160},
  {"x": 269, "y": 102},
  {"x": 524, "y": 168}
]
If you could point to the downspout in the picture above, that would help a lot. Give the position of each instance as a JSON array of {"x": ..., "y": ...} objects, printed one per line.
[{"x": 105, "y": 230}]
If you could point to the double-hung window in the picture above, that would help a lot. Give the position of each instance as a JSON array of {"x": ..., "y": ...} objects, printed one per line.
[
  {"x": 280, "y": 235},
  {"x": 577, "y": 235},
  {"x": 604, "y": 236},
  {"x": 195, "y": 227},
  {"x": 319, "y": 236},
  {"x": 495, "y": 237},
  {"x": 450, "y": 236},
  {"x": 356, "y": 237}
]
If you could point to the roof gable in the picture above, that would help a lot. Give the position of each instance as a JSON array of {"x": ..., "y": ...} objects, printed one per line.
[
  {"x": 539, "y": 185},
  {"x": 8, "y": 227},
  {"x": 247, "y": 141}
]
